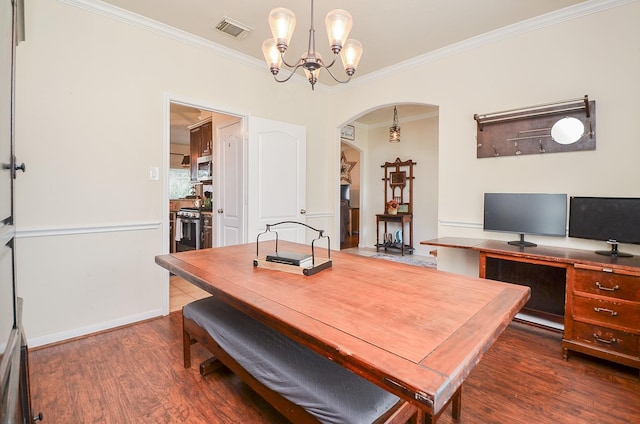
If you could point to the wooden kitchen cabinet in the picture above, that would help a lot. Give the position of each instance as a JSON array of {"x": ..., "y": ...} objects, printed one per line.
[
  {"x": 194, "y": 150},
  {"x": 200, "y": 144},
  {"x": 172, "y": 232},
  {"x": 206, "y": 139},
  {"x": 207, "y": 230}
]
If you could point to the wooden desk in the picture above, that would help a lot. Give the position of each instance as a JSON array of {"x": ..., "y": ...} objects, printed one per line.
[
  {"x": 593, "y": 299},
  {"x": 413, "y": 331}
]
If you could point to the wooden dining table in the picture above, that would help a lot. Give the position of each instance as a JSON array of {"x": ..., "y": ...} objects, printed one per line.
[{"x": 414, "y": 331}]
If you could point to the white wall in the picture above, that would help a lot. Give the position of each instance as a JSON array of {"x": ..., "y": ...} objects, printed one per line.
[
  {"x": 91, "y": 100},
  {"x": 419, "y": 142},
  {"x": 177, "y": 154},
  {"x": 91, "y": 116},
  {"x": 595, "y": 54}
]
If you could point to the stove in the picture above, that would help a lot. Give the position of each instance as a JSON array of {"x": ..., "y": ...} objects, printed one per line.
[
  {"x": 189, "y": 229},
  {"x": 189, "y": 213}
]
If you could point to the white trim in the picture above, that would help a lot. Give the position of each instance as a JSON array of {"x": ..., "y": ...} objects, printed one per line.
[
  {"x": 562, "y": 15},
  {"x": 164, "y": 30},
  {"x": 509, "y": 31},
  {"x": 148, "y": 24},
  {"x": 89, "y": 229},
  {"x": 91, "y": 329},
  {"x": 460, "y": 224},
  {"x": 6, "y": 233},
  {"x": 429, "y": 115}
]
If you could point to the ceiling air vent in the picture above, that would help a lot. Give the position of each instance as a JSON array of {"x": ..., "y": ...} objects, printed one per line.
[{"x": 233, "y": 28}]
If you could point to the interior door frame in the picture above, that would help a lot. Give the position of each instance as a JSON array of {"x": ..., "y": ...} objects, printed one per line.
[
  {"x": 166, "y": 149},
  {"x": 363, "y": 188}
]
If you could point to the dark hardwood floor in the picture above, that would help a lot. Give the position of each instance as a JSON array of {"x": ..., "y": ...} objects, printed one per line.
[
  {"x": 350, "y": 241},
  {"x": 135, "y": 374}
]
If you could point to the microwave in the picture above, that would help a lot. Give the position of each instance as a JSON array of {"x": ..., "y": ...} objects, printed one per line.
[{"x": 205, "y": 168}]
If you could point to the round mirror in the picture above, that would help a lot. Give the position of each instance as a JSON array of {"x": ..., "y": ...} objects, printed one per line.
[{"x": 567, "y": 130}]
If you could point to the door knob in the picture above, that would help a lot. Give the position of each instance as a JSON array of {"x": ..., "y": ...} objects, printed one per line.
[
  {"x": 16, "y": 167},
  {"x": 220, "y": 210},
  {"x": 303, "y": 211}
]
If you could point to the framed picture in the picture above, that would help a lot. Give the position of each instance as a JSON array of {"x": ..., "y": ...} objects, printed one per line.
[
  {"x": 403, "y": 208},
  {"x": 348, "y": 132},
  {"x": 397, "y": 179}
]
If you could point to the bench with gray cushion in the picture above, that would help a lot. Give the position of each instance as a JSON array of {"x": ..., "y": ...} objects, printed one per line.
[{"x": 303, "y": 385}]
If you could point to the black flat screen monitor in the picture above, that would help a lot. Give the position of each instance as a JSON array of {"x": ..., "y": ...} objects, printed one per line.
[
  {"x": 542, "y": 214},
  {"x": 611, "y": 219}
]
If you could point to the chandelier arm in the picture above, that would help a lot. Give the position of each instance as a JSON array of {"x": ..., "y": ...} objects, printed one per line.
[
  {"x": 335, "y": 57},
  {"x": 336, "y": 79},
  {"x": 292, "y": 72},
  {"x": 288, "y": 65}
]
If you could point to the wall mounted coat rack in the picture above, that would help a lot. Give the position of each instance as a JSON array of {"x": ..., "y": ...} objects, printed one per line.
[{"x": 565, "y": 126}]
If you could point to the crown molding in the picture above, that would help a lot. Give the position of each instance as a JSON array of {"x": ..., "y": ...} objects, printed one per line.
[
  {"x": 549, "y": 19},
  {"x": 533, "y": 24},
  {"x": 404, "y": 120},
  {"x": 148, "y": 24}
]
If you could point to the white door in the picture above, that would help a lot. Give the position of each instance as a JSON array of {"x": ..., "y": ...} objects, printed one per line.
[
  {"x": 229, "y": 212},
  {"x": 276, "y": 178}
]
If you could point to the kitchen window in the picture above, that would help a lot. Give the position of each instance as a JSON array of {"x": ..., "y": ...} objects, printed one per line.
[{"x": 179, "y": 183}]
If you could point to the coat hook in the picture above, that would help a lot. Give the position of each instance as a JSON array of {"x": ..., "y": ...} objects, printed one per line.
[
  {"x": 541, "y": 150},
  {"x": 495, "y": 151},
  {"x": 518, "y": 152}
]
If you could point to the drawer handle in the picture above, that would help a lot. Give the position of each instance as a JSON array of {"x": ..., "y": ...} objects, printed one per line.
[
  {"x": 601, "y": 287},
  {"x": 610, "y": 341},
  {"x": 611, "y": 311}
]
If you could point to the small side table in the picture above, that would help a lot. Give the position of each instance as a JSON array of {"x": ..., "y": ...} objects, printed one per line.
[{"x": 402, "y": 219}]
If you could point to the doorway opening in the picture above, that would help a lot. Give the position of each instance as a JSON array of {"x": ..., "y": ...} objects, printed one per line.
[
  {"x": 197, "y": 175},
  {"x": 350, "y": 160},
  {"x": 367, "y": 135}
]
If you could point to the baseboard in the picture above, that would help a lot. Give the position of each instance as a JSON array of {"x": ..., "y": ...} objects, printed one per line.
[{"x": 91, "y": 329}]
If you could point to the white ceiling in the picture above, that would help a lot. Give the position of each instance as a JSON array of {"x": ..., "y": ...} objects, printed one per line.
[{"x": 390, "y": 31}]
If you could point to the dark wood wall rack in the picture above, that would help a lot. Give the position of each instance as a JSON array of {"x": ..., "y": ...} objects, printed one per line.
[{"x": 527, "y": 130}]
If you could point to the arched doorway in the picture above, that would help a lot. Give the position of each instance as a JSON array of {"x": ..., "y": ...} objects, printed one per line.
[{"x": 370, "y": 147}]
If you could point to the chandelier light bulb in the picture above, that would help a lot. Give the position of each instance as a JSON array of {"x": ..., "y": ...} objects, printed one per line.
[
  {"x": 338, "y": 24},
  {"x": 272, "y": 55},
  {"x": 350, "y": 54},
  {"x": 282, "y": 22}
]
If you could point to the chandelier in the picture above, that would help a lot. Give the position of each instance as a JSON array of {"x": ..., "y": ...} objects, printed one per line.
[
  {"x": 338, "y": 22},
  {"x": 394, "y": 130}
]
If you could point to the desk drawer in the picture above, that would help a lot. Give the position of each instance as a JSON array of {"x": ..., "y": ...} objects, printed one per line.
[
  {"x": 620, "y": 314},
  {"x": 606, "y": 338},
  {"x": 608, "y": 284}
]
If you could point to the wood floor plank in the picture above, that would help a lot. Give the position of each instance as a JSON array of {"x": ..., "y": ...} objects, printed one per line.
[{"x": 135, "y": 374}]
